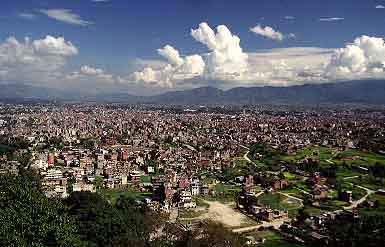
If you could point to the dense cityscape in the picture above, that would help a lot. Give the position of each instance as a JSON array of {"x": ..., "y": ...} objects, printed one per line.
[
  {"x": 256, "y": 176},
  {"x": 192, "y": 123}
]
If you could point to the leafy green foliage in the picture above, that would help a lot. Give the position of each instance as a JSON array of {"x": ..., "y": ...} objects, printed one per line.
[
  {"x": 127, "y": 223},
  {"x": 29, "y": 218},
  {"x": 369, "y": 230},
  {"x": 11, "y": 144},
  {"x": 207, "y": 234}
]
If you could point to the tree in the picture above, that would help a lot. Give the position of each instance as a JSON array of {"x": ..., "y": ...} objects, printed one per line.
[
  {"x": 281, "y": 175},
  {"x": 29, "y": 218},
  {"x": 98, "y": 182},
  {"x": 368, "y": 230},
  {"x": 213, "y": 234},
  {"x": 127, "y": 223}
]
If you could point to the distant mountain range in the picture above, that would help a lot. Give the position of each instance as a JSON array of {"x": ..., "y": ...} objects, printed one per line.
[{"x": 358, "y": 92}]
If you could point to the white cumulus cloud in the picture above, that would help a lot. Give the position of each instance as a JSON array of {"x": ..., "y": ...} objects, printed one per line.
[
  {"x": 40, "y": 62},
  {"x": 365, "y": 57},
  {"x": 48, "y": 54},
  {"x": 178, "y": 69},
  {"x": 171, "y": 55},
  {"x": 55, "y": 46},
  {"x": 270, "y": 33},
  {"x": 226, "y": 65},
  {"x": 66, "y": 15},
  {"x": 226, "y": 57},
  {"x": 267, "y": 32},
  {"x": 89, "y": 71}
]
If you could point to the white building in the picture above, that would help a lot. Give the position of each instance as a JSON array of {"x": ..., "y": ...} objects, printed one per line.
[{"x": 195, "y": 189}]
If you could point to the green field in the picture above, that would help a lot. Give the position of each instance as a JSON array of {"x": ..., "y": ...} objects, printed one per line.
[
  {"x": 274, "y": 239},
  {"x": 4, "y": 148},
  {"x": 357, "y": 192},
  {"x": 325, "y": 155},
  {"x": 362, "y": 158},
  {"x": 112, "y": 195},
  {"x": 200, "y": 202},
  {"x": 280, "y": 243},
  {"x": 224, "y": 193},
  {"x": 293, "y": 191},
  {"x": 379, "y": 198},
  {"x": 344, "y": 173},
  {"x": 279, "y": 201},
  {"x": 379, "y": 206},
  {"x": 190, "y": 214},
  {"x": 313, "y": 211},
  {"x": 145, "y": 179},
  {"x": 332, "y": 205},
  {"x": 238, "y": 167},
  {"x": 369, "y": 182}
]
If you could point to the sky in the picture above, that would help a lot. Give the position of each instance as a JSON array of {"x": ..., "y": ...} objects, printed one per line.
[{"x": 151, "y": 46}]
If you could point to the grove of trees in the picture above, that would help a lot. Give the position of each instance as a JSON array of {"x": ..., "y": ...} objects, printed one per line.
[{"x": 28, "y": 218}]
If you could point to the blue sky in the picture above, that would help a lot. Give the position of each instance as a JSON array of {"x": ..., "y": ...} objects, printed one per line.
[{"x": 112, "y": 36}]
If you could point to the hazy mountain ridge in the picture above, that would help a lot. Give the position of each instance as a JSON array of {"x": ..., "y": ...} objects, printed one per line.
[{"x": 363, "y": 92}]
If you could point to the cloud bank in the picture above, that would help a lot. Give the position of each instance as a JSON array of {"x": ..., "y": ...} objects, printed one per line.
[
  {"x": 224, "y": 64},
  {"x": 43, "y": 62},
  {"x": 34, "y": 60},
  {"x": 364, "y": 58}
]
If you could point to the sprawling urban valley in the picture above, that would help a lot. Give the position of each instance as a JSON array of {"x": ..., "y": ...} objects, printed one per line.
[{"x": 272, "y": 175}]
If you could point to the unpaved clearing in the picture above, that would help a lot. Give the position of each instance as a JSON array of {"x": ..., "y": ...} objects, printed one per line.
[
  {"x": 229, "y": 216},
  {"x": 225, "y": 213}
]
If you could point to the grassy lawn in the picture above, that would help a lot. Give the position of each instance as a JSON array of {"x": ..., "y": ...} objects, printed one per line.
[
  {"x": 379, "y": 198},
  {"x": 358, "y": 193},
  {"x": 224, "y": 193},
  {"x": 238, "y": 167},
  {"x": 145, "y": 179},
  {"x": 190, "y": 213},
  {"x": 302, "y": 186},
  {"x": 344, "y": 173},
  {"x": 288, "y": 176},
  {"x": 274, "y": 239},
  {"x": 280, "y": 243},
  {"x": 4, "y": 148},
  {"x": 360, "y": 158},
  {"x": 293, "y": 192},
  {"x": 279, "y": 201},
  {"x": 332, "y": 205},
  {"x": 113, "y": 194},
  {"x": 227, "y": 188},
  {"x": 312, "y": 211},
  {"x": 207, "y": 177},
  {"x": 325, "y": 155},
  {"x": 200, "y": 202},
  {"x": 379, "y": 208},
  {"x": 369, "y": 182}
]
